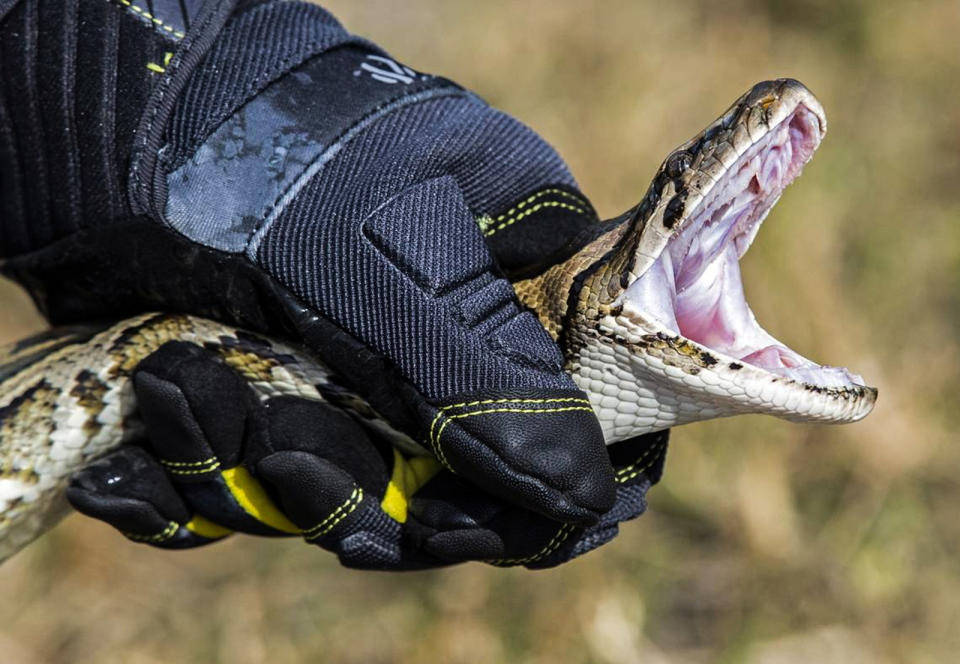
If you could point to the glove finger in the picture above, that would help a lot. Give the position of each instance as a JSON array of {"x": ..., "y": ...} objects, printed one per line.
[
  {"x": 318, "y": 478},
  {"x": 316, "y": 494},
  {"x": 472, "y": 525},
  {"x": 330, "y": 477},
  {"x": 475, "y": 526},
  {"x": 197, "y": 412},
  {"x": 638, "y": 463},
  {"x": 339, "y": 515},
  {"x": 130, "y": 491},
  {"x": 195, "y": 408},
  {"x": 314, "y": 427}
]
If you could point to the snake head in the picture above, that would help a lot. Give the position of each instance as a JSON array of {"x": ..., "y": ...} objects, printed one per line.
[{"x": 656, "y": 319}]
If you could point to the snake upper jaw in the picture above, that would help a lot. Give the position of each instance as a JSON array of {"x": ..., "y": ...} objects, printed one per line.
[
  {"x": 772, "y": 114},
  {"x": 670, "y": 290}
]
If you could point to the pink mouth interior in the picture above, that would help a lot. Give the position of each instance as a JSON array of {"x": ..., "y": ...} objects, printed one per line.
[{"x": 694, "y": 288}]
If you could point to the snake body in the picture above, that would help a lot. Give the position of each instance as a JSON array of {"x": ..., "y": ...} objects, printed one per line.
[{"x": 650, "y": 316}]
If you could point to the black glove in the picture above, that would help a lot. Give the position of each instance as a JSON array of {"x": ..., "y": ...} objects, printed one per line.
[
  {"x": 259, "y": 165},
  {"x": 216, "y": 460}
]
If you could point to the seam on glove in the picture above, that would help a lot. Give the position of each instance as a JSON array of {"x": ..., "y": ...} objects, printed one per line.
[
  {"x": 187, "y": 464},
  {"x": 185, "y": 471},
  {"x": 489, "y": 401},
  {"x": 625, "y": 474},
  {"x": 487, "y": 222},
  {"x": 435, "y": 440},
  {"x": 466, "y": 404},
  {"x": 559, "y": 538},
  {"x": 153, "y": 19},
  {"x": 340, "y": 513},
  {"x": 160, "y": 537},
  {"x": 190, "y": 464},
  {"x": 535, "y": 208}
]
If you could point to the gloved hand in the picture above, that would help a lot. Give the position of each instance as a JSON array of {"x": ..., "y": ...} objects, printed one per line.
[
  {"x": 257, "y": 164},
  {"x": 215, "y": 459}
]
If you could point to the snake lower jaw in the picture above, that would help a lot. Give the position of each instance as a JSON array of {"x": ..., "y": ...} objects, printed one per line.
[{"x": 642, "y": 378}]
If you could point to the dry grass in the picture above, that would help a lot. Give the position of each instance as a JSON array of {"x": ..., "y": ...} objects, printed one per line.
[{"x": 766, "y": 542}]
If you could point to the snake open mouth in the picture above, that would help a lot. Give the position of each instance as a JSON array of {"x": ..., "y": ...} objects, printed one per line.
[{"x": 693, "y": 288}]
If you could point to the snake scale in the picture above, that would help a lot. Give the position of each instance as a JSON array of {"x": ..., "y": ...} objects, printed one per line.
[{"x": 651, "y": 318}]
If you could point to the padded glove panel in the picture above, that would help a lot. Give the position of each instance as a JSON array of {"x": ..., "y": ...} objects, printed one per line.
[{"x": 239, "y": 177}]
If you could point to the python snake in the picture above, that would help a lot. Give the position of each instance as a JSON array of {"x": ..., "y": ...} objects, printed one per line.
[{"x": 657, "y": 334}]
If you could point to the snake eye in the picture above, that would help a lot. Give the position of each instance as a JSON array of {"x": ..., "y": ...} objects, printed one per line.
[{"x": 677, "y": 163}]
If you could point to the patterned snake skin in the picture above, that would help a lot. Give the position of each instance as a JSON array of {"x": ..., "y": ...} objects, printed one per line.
[{"x": 650, "y": 316}]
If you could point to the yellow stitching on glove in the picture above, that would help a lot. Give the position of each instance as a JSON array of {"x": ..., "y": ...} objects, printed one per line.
[
  {"x": 160, "y": 537},
  {"x": 200, "y": 471},
  {"x": 489, "y": 401},
  {"x": 525, "y": 411},
  {"x": 646, "y": 467},
  {"x": 153, "y": 19},
  {"x": 486, "y": 220},
  {"x": 154, "y": 67},
  {"x": 250, "y": 495},
  {"x": 338, "y": 515},
  {"x": 535, "y": 208},
  {"x": 187, "y": 464},
  {"x": 464, "y": 404},
  {"x": 435, "y": 442},
  {"x": 627, "y": 469},
  {"x": 559, "y": 538}
]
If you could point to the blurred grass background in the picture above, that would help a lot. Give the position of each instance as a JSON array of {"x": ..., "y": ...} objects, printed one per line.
[{"x": 766, "y": 541}]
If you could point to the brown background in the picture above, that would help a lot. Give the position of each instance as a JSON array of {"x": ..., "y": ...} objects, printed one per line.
[{"x": 766, "y": 542}]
